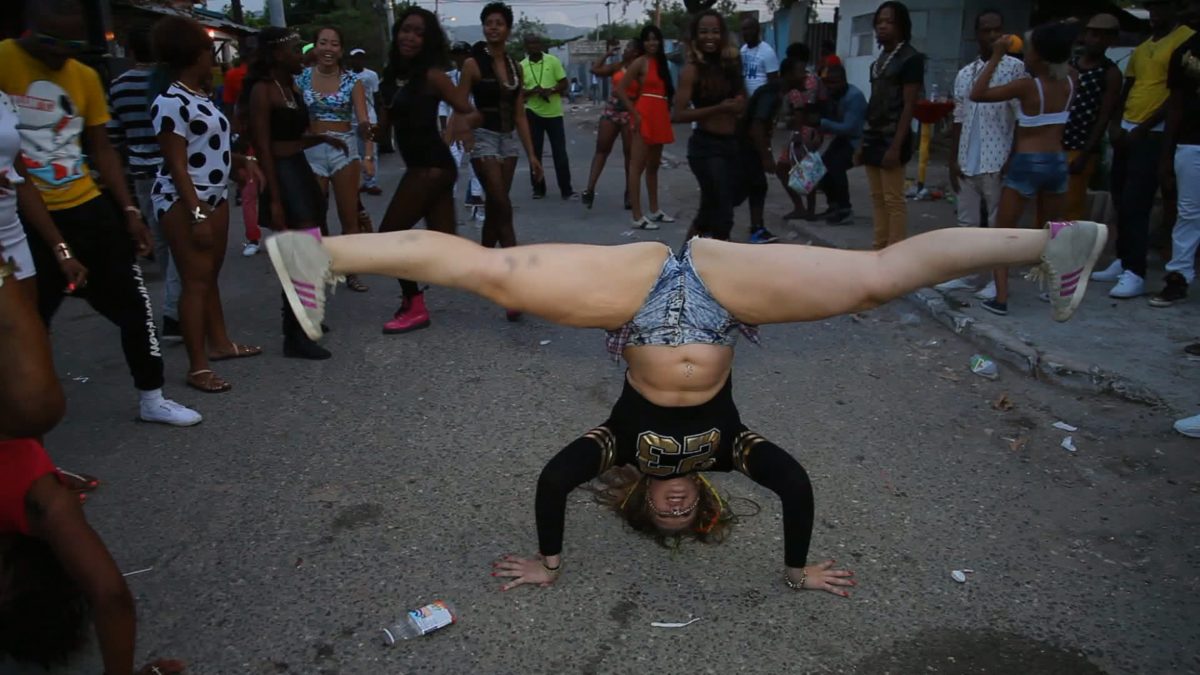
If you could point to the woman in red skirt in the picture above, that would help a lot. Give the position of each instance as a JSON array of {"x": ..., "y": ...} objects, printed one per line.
[{"x": 651, "y": 125}]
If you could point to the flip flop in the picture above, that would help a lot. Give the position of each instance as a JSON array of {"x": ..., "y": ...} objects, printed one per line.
[
  {"x": 77, "y": 482},
  {"x": 207, "y": 381},
  {"x": 239, "y": 352}
]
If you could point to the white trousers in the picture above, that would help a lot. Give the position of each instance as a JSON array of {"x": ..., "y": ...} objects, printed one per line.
[
  {"x": 1186, "y": 236},
  {"x": 975, "y": 194}
]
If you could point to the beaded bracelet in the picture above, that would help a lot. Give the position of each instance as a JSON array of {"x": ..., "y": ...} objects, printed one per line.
[{"x": 795, "y": 586}]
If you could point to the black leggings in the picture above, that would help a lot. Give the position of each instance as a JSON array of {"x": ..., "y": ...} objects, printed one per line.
[
  {"x": 95, "y": 231},
  {"x": 424, "y": 192}
]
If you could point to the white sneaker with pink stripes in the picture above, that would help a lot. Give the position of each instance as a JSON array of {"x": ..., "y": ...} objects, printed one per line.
[
  {"x": 1067, "y": 263},
  {"x": 303, "y": 267}
]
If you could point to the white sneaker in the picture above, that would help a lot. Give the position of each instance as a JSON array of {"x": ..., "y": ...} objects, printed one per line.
[
  {"x": 660, "y": 217},
  {"x": 303, "y": 267},
  {"x": 1067, "y": 263},
  {"x": 644, "y": 224},
  {"x": 1189, "y": 426},
  {"x": 1110, "y": 273},
  {"x": 250, "y": 249},
  {"x": 987, "y": 292},
  {"x": 1129, "y": 285},
  {"x": 960, "y": 284},
  {"x": 166, "y": 411}
]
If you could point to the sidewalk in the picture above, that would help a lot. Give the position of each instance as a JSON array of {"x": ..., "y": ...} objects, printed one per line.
[{"x": 1120, "y": 347}]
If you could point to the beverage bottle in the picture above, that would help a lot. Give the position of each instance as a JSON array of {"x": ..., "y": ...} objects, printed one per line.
[
  {"x": 933, "y": 92},
  {"x": 421, "y": 621}
]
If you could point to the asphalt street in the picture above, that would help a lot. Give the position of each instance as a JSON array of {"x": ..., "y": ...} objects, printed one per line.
[{"x": 319, "y": 500}]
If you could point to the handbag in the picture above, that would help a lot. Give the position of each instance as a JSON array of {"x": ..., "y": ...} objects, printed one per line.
[{"x": 806, "y": 173}]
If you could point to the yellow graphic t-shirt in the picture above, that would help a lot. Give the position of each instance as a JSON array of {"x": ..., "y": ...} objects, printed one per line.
[
  {"x": 1148, "y": 68},
  {"x": 54, "y": 107}
]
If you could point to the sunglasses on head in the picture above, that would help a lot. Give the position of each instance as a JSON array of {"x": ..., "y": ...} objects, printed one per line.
[{"x": 53, "y": 41}]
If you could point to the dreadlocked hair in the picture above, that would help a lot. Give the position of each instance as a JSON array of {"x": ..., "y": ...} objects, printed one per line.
[
  {"x": 717, "y": 75},
  {"x": 623, "y": 490},
  {"x": 43, "y": 613}
]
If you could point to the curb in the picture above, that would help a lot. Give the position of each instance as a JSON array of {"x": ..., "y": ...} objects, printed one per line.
[{"x": 1060, "y": 369}]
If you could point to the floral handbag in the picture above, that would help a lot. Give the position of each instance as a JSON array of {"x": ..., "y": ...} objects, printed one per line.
[{"x": 806, "y": 172}]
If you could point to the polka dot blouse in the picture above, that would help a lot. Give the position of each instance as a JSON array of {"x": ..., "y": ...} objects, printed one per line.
[{"x": 197, "y": 120}]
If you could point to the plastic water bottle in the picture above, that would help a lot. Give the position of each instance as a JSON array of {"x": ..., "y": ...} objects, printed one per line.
[{"x": 421, "y": 621}]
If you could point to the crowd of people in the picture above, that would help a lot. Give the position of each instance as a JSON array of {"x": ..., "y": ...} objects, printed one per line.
[{"x": 295, "y": 124}]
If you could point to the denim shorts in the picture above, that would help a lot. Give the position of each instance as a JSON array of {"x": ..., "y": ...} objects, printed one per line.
[
  {"x": 490, "y": 143},
  {"x": 679, "y": 310},
  {"x": 327, "y": 160},
  {"x": 1032, "y": 172}
]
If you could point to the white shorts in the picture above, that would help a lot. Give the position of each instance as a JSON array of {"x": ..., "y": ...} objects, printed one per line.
[{"x": 16, "y": 249}]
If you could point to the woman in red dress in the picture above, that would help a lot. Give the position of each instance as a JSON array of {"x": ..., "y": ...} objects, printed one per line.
[{"x": 652, "y": 130}]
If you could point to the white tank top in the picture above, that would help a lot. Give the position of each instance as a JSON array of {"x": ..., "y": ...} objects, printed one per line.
[{"x": 1043, "y": 118}]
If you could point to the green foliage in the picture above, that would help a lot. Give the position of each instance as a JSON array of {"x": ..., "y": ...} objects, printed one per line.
[{"x": 359, "y": 28}]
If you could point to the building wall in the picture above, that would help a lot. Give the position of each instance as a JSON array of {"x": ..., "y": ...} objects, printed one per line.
[{"x": 942, "y": 29}]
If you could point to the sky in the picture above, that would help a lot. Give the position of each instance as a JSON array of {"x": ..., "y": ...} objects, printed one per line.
[{"x": 582, "y": 13}]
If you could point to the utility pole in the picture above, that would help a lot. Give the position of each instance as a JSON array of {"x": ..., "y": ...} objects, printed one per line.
[
  {"x": 658, "y": 13},
  {"x": 235, "y": 11},
  {"x": 608, "y": 15},
  {"x": 275, "y": 7}
]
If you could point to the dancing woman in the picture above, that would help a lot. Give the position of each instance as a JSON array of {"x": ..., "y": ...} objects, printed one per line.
[
  {"x": 614, "y": 120},
  {"x": 337, "y": 105},
  {"x": 189, "y": 194},
  {"x": 711, "y": 84},
  {"x": 414, "y": 85},
  {"x": 1038, "y": 167},
  {"x": 650, "y": 78},
  {"x": 675, "y": 320},
  {"x": 277, "y": 120},
  {"x": 493, "y": 79}
]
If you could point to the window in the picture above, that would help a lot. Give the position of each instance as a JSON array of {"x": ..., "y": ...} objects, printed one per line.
[{"x": 862, "y": 35}]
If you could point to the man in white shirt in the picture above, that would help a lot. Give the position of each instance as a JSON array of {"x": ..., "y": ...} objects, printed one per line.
[
  {"x": 983, "y": 136},
  {"x": 760, "y": 64},
  {"x": 459, "y": 53},
  {"x": 370, "y": 83}
]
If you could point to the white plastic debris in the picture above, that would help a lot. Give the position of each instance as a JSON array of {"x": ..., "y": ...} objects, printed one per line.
[
  {"x": 82, "y": 379},
  {"x": 1068, "y": 444},
  {"x": 129, "y": 574},
  {"x": 667, "y": 624},
  {"x": 959, "y": 576},
  {"x": 1063, "y": 426},
  {"x": 544, "y": 343}
]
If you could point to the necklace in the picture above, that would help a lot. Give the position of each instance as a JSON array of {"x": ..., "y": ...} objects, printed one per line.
[
  {"x": 512, "y": 69},
  {"x": 289, "y": 101},
  {"x": 188, "y": 89},
  {"x": 877, "y": 69}
]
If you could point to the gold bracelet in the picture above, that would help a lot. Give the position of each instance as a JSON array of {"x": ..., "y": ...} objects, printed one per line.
[
  {"x": 62, "y": 252},
  {"x": 794, "y": 585},
  {"x": 552, "y": 570}
]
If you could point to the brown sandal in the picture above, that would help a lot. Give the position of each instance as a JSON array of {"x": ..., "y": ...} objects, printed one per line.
[
  {"x": 353, "y": 283},
  {"x": 207, "y": 381},
  {"x": 239, "y": 352}
]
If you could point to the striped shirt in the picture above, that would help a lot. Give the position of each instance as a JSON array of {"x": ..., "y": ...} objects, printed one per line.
[{"x": 130, "y": 128}]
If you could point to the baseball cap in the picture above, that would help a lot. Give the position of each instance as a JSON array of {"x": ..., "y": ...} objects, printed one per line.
[
  {"x": 358, "y": 50},
  {"x": 1104, "y": 22}
]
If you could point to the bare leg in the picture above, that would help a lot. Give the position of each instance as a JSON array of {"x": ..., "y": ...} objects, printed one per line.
[
  {"x": 606, "y": 135},
  {"x": 571, "y": 284},
  {"x": 653, "y": 161},
  {"x": 31, "y": 398},
  {"x": 637, "y": 164},
  {"x": 782, "y": 283},
  {"x": 345, "y": 195},
  {"x": 323, "y": 182},
  {"x": 1008, "y": 215}
]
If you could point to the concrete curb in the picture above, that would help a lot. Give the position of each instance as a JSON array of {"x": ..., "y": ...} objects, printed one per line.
[{"x": 1021, "y": 354}]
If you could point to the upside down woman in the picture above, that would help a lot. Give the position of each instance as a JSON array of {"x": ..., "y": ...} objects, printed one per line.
[{"x": 675, "y": 319}]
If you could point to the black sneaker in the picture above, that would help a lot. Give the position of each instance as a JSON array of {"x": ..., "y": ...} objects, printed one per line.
[
  {"x": 588, "y": 198},
  {"x": 1174, "y": 291},
  {"x": 170, "y": 329},
  {"x": 840, "y": 217},
  {"x": 568, "y": 195},
  {"x": 1000, "y": 308}
]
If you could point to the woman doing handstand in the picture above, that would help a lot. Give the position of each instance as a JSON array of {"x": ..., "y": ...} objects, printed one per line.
[{"x": 675, "y": 320}]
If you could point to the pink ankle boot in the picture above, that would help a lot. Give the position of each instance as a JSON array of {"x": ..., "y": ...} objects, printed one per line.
[{"x": 412, "y": 316}]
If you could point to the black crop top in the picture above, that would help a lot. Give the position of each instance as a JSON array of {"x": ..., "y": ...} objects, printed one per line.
[
  {"x": 413, "y": 113},
  {"x": 496, "y": 100},
  {"x": 287, "y": 123},
  {"x": 704, "y": 94}
]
